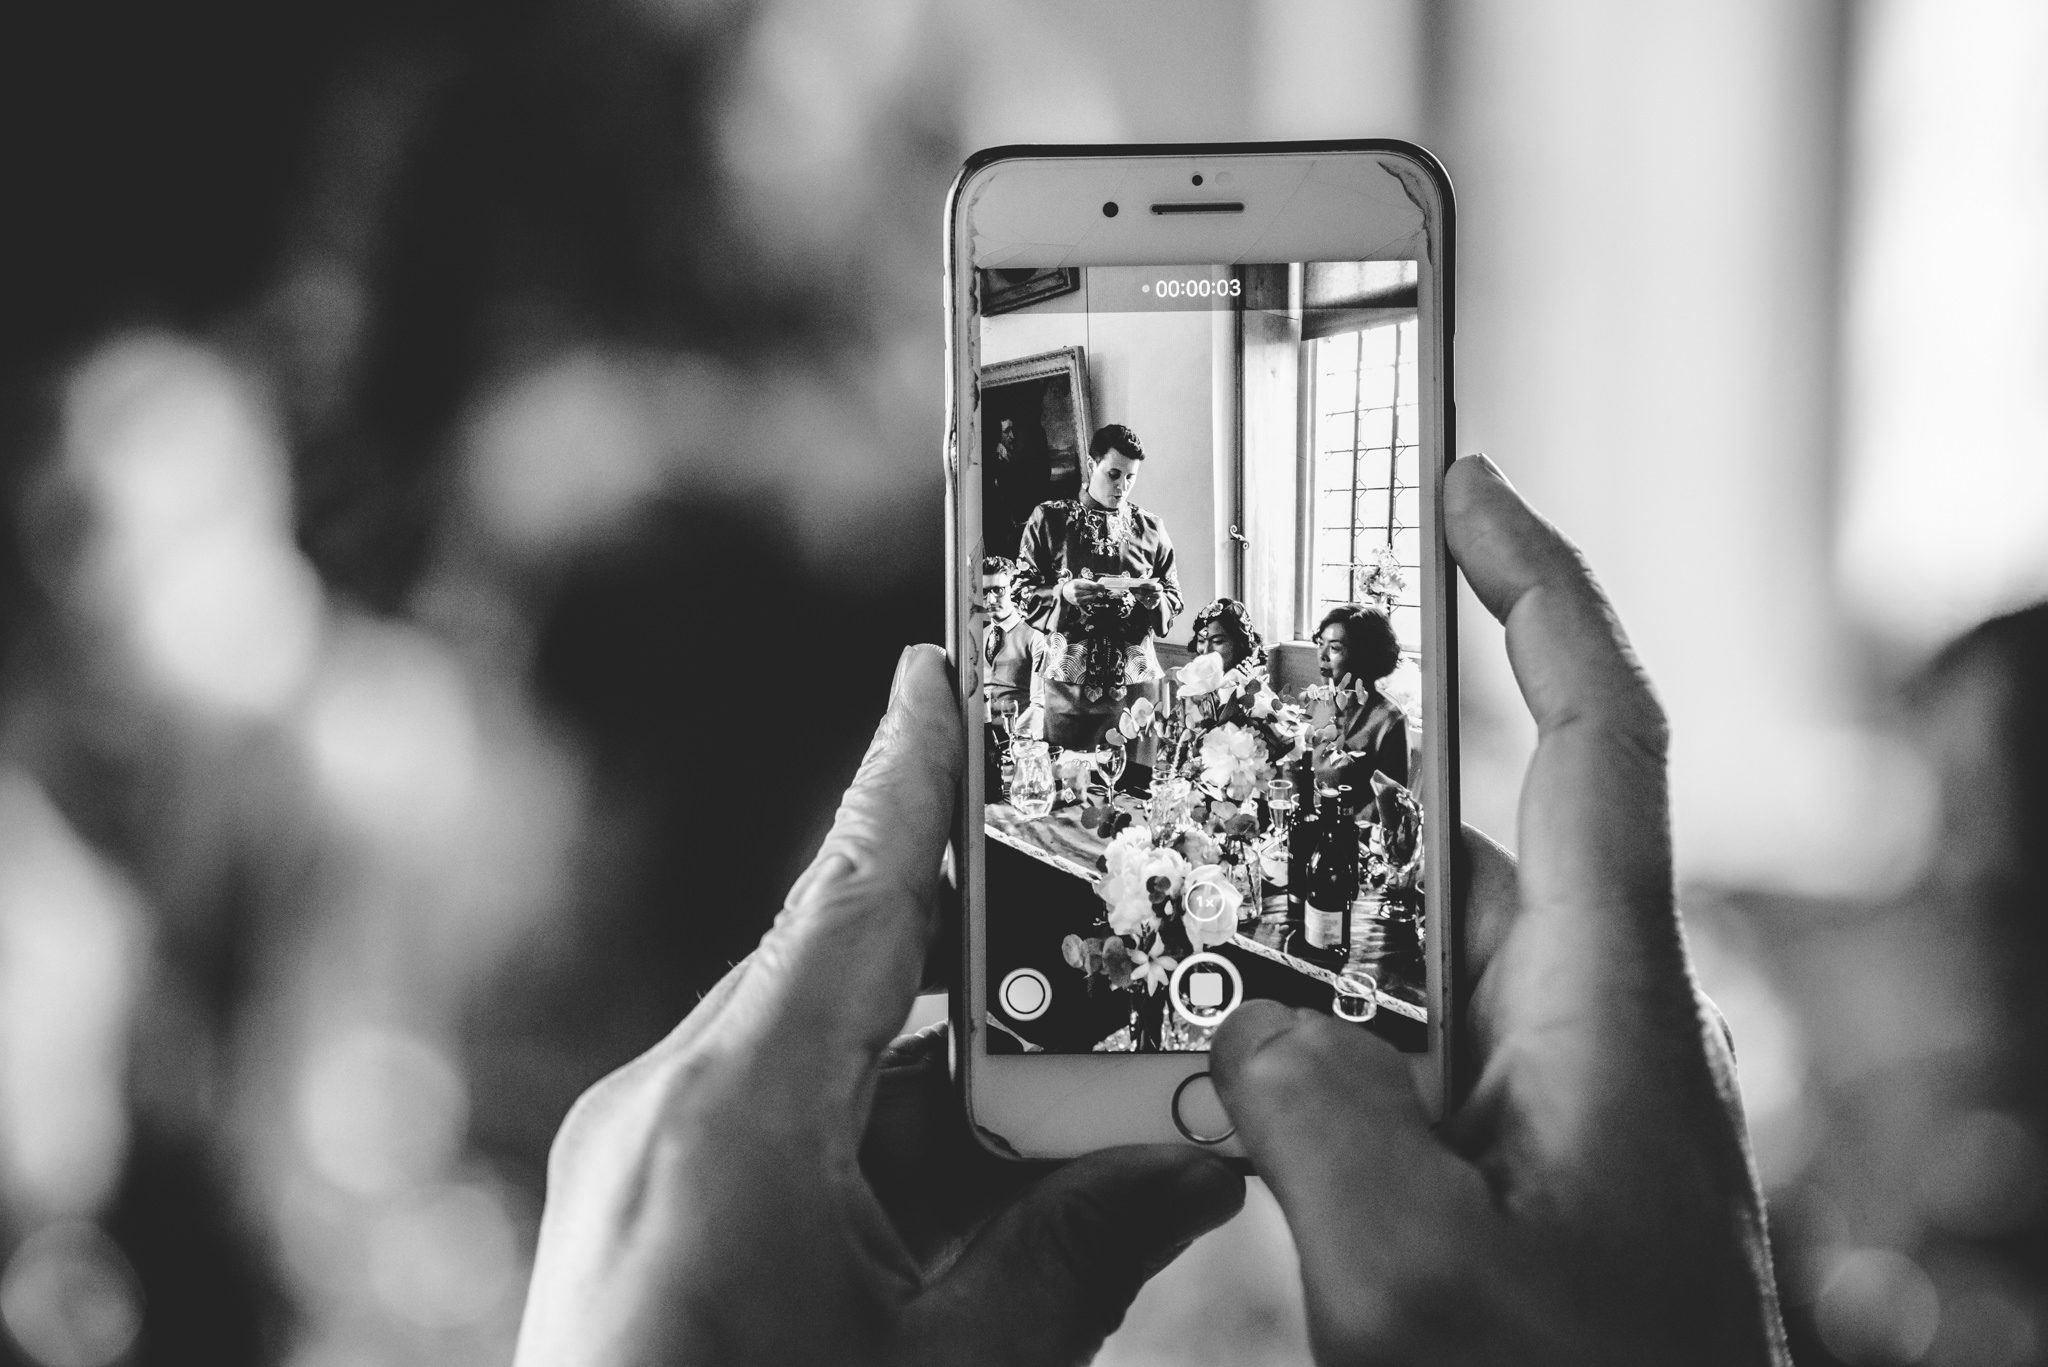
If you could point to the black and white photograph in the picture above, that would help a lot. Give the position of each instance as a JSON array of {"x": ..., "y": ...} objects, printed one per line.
[{"x": 508, "y": 718}]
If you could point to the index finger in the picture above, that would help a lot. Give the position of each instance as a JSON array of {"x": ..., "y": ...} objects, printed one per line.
[
  {"x": 1595, "y": 844},
  {"x": 834, "y": 977}
]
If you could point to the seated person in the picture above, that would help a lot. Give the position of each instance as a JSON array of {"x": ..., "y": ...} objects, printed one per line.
[
  {"x": 1224, "y": 629},
  {"x": 1359, "y": 732},
  {"x": 1010, "y": 646}
]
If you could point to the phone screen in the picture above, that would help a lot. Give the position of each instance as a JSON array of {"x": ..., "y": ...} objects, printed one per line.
[{"x": 1201, "y": 618}]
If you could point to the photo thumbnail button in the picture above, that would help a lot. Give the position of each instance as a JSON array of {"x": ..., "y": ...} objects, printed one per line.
[
  {"x": 1025, "y": 994},
  {"x": 1205, "y": 988}
]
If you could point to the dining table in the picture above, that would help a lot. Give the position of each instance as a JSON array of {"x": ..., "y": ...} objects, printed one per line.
[{"x": 1041, "y": 873}]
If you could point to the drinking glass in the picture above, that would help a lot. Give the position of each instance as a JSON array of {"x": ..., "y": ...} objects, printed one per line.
[
  {"x": 1170, "y": 799},
  {"x": 1033, "y": 786},
  {"x": 1358, "y": 994},
  {"x": 1073, "y": 768},
  {"x": 1280, "y": 800},
  {"x": 1112, "y": 762}
]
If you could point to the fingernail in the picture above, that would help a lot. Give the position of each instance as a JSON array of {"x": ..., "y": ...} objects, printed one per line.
[
  {"x": 1486, "y": 464},
  {"x": 902, "y": 673}
]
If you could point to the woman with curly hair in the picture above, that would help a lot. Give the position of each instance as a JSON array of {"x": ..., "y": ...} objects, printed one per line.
[{"x": 1224, "y": 629}]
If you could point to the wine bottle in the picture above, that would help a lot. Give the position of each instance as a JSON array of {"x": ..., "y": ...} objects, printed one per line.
[{"x": 1332, "y": 878}]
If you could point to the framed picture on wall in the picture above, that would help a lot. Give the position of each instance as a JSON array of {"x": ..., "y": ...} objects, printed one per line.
[
  {"x": 1008, "y": 291},
  {"x": 1034, "y": 439}
]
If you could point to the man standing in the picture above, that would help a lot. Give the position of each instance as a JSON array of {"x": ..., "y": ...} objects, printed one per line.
[{"x": 1098, "y": 634}]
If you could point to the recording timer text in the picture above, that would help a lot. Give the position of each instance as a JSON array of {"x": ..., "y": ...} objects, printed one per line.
[{"x": 1195, "y": 289}]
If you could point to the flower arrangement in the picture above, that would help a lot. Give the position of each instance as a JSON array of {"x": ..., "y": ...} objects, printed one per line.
[
  {"x": 1381, "y": 577},
  {"x": 1165, "y": 897},
  {"x": 1237, "y": 733},
  {"x": 1174, "y": 878}
]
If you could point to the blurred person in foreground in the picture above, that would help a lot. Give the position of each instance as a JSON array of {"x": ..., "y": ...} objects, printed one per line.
[{"x": 780, "y": 1181}]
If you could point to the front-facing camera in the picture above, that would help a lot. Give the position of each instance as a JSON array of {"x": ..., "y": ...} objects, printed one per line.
[{"x": 1109, "y": 209}]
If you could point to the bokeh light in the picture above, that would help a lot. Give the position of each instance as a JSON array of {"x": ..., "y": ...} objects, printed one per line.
[
  {"x": 446, "y": 1256},
  {"x": 189, "y": 558},
  {"x": 70, "y": 1299},
  {"x": 1877, "y": 1308},
  {"x": 380, "y": 1110},
  {"x": 391, "y": 734},
  {"x": 71, "y": 947}
]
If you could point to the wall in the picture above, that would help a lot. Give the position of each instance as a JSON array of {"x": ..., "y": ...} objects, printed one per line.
[{"x": 1152, "y": 372}]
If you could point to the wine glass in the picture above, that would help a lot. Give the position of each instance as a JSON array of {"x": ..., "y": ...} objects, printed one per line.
[
  {"x": 1111, "y": 765},
  {"x": 1280, "y": 800}
]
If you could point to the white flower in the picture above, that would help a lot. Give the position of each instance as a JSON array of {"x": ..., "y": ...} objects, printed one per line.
[
  {"x": 1198, "y": 845},
  {"x": 1163, "y": 872},
  {"x": 1230, "y": 760},
  {"x": 1142, "y": 712},
  {"x": 1201, "y": 675},
  {"x": 1261, "y": 704},
  {"x": 1127, "y": 851},
  {"x": 1212, "y": 901},
  {"x": 1153, "y": 967},
  {"x": 1130, "y": 910},
  {"x": 1124, "y": 890}
]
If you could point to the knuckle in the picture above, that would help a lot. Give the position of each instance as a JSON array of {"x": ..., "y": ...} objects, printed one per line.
[
  {"x": 1643, "y": 719},
  {"x": 634, "y": 1109},
  {"x": 587, "y": 1119},
  {"x": 1285, "y": 1067},
  {"x": 870, "y": 877}
]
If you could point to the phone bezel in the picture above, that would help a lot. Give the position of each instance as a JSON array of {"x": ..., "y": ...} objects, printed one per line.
[{"x": 1051, "y": 1106}]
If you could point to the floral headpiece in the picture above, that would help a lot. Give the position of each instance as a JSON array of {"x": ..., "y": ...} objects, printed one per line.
[{"x": 1240, "y": 617}]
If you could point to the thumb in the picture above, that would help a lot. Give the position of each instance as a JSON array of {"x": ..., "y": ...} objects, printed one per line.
[
  {"x": 1329, "y": 1114},
  {"x": 1048, "y": 1280}
]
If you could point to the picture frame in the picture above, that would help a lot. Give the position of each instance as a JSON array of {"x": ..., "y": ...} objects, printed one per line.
[
  {"x": 1006, "y": 291},
  {"x": 1034, "y": 439}
]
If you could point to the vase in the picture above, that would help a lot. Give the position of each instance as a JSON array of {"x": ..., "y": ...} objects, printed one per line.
[{"x": 1148, "y": 1021}]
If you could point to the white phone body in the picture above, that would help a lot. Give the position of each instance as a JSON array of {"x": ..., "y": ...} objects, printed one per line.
[{"x": 1042, "y": 209}]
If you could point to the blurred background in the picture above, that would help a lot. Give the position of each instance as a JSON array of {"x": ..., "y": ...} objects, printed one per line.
[{"x": 470, "y": 470}]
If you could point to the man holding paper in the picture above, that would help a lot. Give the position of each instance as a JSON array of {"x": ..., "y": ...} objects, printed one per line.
[{"x": 1096, "y": 575}]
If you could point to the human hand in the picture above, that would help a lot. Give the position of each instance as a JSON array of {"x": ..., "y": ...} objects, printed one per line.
[
  {"x": 1082, "y": 592},
  {"x": 1147, "y": 592},
  {"x": 776, "y": 1182},
  {"x": 1592, "y": 1200}
]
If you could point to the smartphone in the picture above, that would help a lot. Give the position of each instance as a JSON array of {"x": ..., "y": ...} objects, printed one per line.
[{"x": 1199, "y": 412}]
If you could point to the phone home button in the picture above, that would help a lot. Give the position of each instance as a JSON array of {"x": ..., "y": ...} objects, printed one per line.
[{"x": 1198, "y": 1112}]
